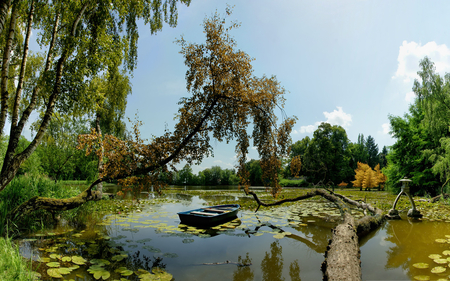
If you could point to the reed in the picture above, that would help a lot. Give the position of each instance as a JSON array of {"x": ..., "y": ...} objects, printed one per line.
[{"x": 12, "y": 265}]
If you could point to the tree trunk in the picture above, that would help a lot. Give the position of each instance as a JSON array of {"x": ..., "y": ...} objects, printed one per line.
[
  {"x": 100, "y": 157},
  {"x": 342, "y": 258}
]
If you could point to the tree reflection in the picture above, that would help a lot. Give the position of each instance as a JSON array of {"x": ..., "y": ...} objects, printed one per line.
[
  {"x": 272, "y": 264},
  {"x": 294, "y": 271},
  {"x": 243, "y": 273}
]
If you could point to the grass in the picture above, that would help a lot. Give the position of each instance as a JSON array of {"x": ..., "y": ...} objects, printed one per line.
[
  {"x": 293, "y": 183},
  {"x": 22, "y": 188},
  {"x": 12, "y": 265}
]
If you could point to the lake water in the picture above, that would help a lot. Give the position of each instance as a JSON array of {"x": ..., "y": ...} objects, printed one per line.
[{"x": 285, "y": 244}]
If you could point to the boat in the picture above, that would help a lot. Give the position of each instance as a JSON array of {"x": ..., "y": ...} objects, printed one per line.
[{"x": 210, "y": 216}]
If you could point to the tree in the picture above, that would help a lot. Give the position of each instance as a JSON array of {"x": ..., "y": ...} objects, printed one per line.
[
  {"x": 366, "y": 178},
  {"x": 224, "y": 97},
  {"x": 255, "y": 172},
  {"x": 372, "y": 151},
  {"x": 327, "y": 159},
  {"x": 406, "y": 157},
  {"x": 81, "y": 39}
]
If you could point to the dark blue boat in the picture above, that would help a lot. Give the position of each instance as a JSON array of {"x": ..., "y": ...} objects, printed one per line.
[{"x": 209, "y": 216}]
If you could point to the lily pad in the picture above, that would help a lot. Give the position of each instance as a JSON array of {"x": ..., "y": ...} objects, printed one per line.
[
  {"x": 441, "y": 261},
  {"x": 78, "y": 260},
  {"x": 187, "y": 241},
  {"x": 66, "y": 259},
  {"x": 421, "y": 265},
  {"x": 279, "y": 236},
  {"x": 439, "y": 240},
  {"x": 438, "y": 269},
  {"x": 119, "y": 257},
  {"x": 41, "y": 259},
  {"x": 434, "y": 256},
  {"x": 64, "y": 270},
  {"x": 53, "y": 264},
  {"x": 53, "y": 272},
  {"x": 99, "y": 272},
  {"x": 124, "y": 271}
]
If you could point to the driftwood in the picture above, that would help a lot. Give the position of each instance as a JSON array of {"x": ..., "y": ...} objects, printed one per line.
[{"x": 342, "y": 258}]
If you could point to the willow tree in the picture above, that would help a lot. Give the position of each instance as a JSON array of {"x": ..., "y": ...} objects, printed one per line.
[{"x": 81, "y": 39}]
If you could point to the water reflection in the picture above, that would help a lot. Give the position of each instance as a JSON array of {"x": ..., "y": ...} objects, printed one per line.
[
  {"x": 272, "y": 264},
  {"x": 243, "y": 273}
]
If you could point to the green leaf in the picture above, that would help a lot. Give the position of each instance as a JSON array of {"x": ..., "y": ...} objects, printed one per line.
[
  {"x": 53, "y": 264},
  {"x": 53, "y": 272}
]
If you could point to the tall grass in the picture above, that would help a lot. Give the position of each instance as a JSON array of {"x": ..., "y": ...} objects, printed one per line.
[
  {"x": 23, "y": 188},
  {"x": 12, "y": 265}
]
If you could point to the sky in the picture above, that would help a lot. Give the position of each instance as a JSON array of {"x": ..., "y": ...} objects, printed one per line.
[{"x": 348, "y": 63}]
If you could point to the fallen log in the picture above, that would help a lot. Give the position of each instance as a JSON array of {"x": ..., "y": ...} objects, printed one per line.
[{"x": 342, "y": 258}]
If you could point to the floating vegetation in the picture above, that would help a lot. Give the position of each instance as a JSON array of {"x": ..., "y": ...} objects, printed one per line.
[
  {"x": 421, "y": 265},
  {"x": 434, "y": 256},
  {"x": 441, "y": 261},
  {"x": 438, "y": 269},
  {"x": 185, "y": 241}
]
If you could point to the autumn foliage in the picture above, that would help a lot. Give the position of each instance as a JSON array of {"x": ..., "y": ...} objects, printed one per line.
[
  {"x": 225, "y": 98},
  {"x": 366, "y": 178}
]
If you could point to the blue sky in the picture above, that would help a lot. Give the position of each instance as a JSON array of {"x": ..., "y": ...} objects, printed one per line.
[{"x": 349, "y": 63}]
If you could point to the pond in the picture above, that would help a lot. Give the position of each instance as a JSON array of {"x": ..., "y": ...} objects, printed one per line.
[{"x": 284, "y": 244}]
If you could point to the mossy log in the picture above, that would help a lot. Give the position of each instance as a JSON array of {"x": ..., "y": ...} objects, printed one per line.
[
  {"x": 342, "y": 258},
  {"x": 51, "y": 204}
]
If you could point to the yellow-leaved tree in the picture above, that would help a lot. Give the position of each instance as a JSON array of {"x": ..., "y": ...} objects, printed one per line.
[{"x": 366, "y": 178}]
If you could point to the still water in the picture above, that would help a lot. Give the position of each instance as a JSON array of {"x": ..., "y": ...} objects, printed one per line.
[{"x": 285, "y": 244}]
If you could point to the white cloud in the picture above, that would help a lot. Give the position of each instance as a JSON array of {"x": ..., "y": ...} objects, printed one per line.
[
  {"x": 308, "y": 129},
  {"x": 411, "y": 53},
  {"x": 409, "y": 97},
  {"x": 337, "y": 117},
  {"x": 386, "y": 128}
]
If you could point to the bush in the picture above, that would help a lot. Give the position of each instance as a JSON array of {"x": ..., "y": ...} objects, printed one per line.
[
  {"x": 293, "y": 183},
  {"x": 22, "y": 188}
]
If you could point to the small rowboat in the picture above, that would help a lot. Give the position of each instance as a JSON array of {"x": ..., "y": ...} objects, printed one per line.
[{"x": 209, "y": 216}]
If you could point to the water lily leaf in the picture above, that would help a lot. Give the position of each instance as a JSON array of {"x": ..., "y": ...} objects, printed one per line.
[
  {"x": 73, "y": 267},
  {"x": 421, "y": 265},
  {"x": 124, "y": 271},
  {"x": 302, "y": 224},
  {"x": 78, "y": 260},
  {"x": 441, "y": 240},
  {"x": 187, "y": 241},
  {"x": 53, "y": 272},
  {"x": 441, "y": 261},
  {"x": 41, "y": 259},
  {"x": 64, "y": 270},
  {"x": 434, "y": 256},
  {"x": 55, "y": 256},
  {"x": 438, "y": 269},
  {"x": 100, "y": 262},
  {"x": 422, "y": 277},
  {"x": 152, "y": 249},
  {"x": 53, "y": 264},
  {"x": 446, "y": 252},
  {"x": 287, "y": 233},
  {"x": 279, "y": 236},
  {"x": 66, "y": 259},
  {"x": 170, "y": 255},
  {"x": 119, "y": 257},
  {"x": 102, "y": 274}
]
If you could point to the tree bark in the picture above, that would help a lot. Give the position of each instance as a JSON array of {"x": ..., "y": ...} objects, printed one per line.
[
  {"x": 342, "y": 258},
  {"x": 100, "y": 157}
]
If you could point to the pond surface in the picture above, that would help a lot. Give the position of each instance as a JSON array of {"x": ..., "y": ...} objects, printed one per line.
[{"x": 285, "y": 244}]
